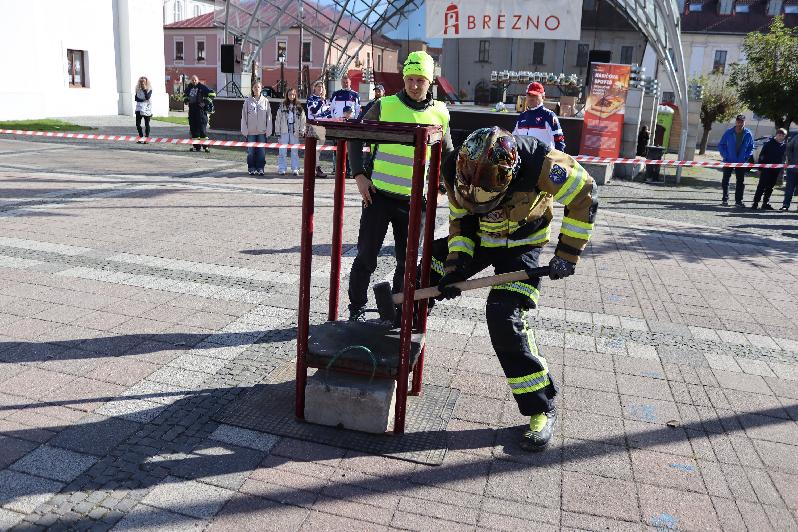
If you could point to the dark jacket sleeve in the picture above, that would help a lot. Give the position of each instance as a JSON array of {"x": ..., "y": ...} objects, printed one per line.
[{"x": 354, "y": 148}]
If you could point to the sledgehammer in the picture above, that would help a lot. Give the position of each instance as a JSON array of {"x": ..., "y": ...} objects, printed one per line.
[{"x": 386, "y": 302}]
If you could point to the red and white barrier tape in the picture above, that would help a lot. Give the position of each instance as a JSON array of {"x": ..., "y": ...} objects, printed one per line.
[{"x": 275, "y": 145}]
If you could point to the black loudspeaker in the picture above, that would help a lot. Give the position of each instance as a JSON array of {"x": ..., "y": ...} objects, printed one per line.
[
  {"x": 593, "y": 56},
  {"x": 230, "y": 58}
]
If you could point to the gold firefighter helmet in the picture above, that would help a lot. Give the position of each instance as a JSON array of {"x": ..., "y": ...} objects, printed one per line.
[{"x": 486, "y": 163}]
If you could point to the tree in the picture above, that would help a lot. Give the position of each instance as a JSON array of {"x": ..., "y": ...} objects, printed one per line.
[
  {"x": 718, "y": 104},
  {"x": 768, "y": 81}
]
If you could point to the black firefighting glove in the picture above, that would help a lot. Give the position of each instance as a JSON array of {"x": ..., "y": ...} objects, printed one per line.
[
  {"x": 560, "y": 268},
  {"x": 444, "y": 286}
]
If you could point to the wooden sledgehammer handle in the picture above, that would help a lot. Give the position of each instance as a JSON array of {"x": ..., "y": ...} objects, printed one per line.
[{"x": 480, "y": 282}]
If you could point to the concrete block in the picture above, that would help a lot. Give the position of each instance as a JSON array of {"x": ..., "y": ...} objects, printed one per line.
[
  {"x": 601, "y": 173},
  {"x": 350, "y": 401}
]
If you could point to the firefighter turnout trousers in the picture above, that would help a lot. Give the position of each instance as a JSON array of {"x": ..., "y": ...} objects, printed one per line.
[
  {"x": 374, "y": 221},
  {"x": 506, "y": 313}
]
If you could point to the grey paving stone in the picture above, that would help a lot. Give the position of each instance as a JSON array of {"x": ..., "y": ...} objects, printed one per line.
[
  {"x": 11, "y": 449},
  {"x": 245, "y": 438},
  {"x": 144, "y": 518},
  {"x": 8, "y": 519},
  {"x": 54, "y": 463},
  {"x": 23, "y": 493},
  {"x": 188, "y": 497}
]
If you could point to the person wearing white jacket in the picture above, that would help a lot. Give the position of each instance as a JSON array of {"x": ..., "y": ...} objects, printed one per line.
[
  {"x": 289, "y": 126},
  {"x": 256, "y": 125}
]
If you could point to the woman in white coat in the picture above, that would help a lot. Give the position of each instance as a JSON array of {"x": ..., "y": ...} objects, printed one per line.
[
  {"x": 256, "y": 125},
  {"x": 289, "y": 126},
  {"x": 143, "y": 108}
]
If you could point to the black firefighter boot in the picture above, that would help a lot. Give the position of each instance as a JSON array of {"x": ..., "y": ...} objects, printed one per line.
[{"x": 540, "y": 431}]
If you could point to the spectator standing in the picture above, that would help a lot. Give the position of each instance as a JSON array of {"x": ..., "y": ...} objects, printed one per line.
[
  {"x": 736, "y": 146},
  {"x": 289, "y": 126},
  {"x": 379, "y": 92},
  {"x": 792, "y": 173},
  {"x": 343, "y": 97},
  {"x": 539, "y": 122},
  {"x": 318, "y": 107},
  {"x": 642, "y": 141},
  {"x": 256, "y": 125},
  {"x": 772, "y": 153},
  {"x": 143, "y": 108},
  {"x": 199, "y": 98}
]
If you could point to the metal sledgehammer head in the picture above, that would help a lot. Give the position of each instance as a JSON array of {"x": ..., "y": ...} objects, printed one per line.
[{"x": 384, "y": 299}]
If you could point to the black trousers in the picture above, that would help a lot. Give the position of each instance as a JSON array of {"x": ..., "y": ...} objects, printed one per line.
[
  {"x": 146, "y": 132},
  {"x": 767, "y": 180},
  {"x": 197, "y": 123},
  {"x": 739, "y": 174},
  {"x": 506, "y": 313},
  {"x": 374, "y": 221}
]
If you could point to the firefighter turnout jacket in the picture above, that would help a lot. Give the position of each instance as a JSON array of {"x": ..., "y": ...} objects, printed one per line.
[{"x": 524, "y": 216}]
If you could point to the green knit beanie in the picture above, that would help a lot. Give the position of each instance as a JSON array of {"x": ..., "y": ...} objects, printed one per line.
[{"x": 419, "y": 64}]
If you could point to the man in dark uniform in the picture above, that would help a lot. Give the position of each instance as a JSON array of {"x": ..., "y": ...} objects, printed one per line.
[
  {"x": 501, "y": 190},
  {"x": 198, "y": 97}
]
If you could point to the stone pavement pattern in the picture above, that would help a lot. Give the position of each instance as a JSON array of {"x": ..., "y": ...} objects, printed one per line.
[{"x": 141, "y": 292}]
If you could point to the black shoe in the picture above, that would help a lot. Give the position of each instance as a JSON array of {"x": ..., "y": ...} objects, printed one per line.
[
  {"x": 725, "y": 203},
  {"x": 739, "y": 204},
  {"x": 534, "y": 441},
  {"x": 783, "y": 208},
  {"x": 767, "y": 207},
  {"x": 206, "y": 149},
  {"x": 320, "y": 172},
  {"x": 358, "y": 314},
  {"x": 754, "y": 206}
]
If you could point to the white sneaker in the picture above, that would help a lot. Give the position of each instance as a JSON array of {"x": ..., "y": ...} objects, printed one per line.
[
  {"x": 281, "y": 172},
  {"x": 296, "y": 172}
]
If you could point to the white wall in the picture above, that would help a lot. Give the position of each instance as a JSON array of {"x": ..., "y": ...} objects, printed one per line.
[{"x": 35, "y": 36}]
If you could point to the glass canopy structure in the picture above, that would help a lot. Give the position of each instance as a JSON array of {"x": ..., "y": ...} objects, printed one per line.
[{"x": 346, "y": 25}]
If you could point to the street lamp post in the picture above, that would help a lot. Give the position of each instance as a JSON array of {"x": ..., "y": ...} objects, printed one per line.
[{"x": 301, "y": 48}]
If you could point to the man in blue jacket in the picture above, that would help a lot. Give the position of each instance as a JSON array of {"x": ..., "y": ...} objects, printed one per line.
[{"x": 736, "y": 146}]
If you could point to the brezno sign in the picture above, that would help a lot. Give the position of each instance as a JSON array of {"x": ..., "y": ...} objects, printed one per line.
[{"x": 527, "y": 19}]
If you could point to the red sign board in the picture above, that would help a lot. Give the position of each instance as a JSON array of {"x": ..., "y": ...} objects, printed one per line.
[{"x": 604, "y": 110}]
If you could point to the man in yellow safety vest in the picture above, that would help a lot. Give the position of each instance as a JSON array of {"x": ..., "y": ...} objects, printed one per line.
[{"x": 385, "y": 186}]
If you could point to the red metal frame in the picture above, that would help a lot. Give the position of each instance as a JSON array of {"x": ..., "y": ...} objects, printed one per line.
[{"x": 421, "y": 137}]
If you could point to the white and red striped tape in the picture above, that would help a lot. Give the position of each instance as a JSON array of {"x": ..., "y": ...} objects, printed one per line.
[{"x": 275, "y": 145}]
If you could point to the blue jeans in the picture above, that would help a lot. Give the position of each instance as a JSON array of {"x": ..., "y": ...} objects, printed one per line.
[
  {"x": 256, "y": 157},
  {"x": 789, "y": 190}
]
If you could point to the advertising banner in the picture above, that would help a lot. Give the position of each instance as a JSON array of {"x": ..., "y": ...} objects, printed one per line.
[
  {"x": 526, "y": 19},
  {"x": 604, "y": 110}
]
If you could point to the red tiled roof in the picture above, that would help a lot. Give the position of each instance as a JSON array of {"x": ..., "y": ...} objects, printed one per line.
[
  {"x": 708, "y": 20},
  {"x": 322, "y": 24},
  {"x": 202, "y": 21}
]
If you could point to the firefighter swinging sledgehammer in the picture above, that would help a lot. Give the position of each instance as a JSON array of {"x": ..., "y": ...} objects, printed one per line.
[{"x": 501, "y": 190}]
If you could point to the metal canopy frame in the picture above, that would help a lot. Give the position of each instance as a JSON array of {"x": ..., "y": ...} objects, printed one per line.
[
  {"x": 660, "y": 22},
  {"x": 338, "y": 23}
]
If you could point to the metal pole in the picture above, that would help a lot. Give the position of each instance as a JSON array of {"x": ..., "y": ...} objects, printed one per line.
[
  {"x": 305, "y": 262},
  {"x": 338, "y": 223},
  {"x": 301, "y": 47},
  {"x": 426, "y": 256},
  {"x": 413, "y": 233}
]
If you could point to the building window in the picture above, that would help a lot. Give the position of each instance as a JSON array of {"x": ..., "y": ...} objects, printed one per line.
[
  {"x": 178, "y": 10},
  {"x": 179, "y": 50},
  {"x": 719, "y": 64},
  {"x": 582, "y": 52},
  {"x": 538, "y": 49},
  {"x": 627, "y": 55},
  {"x": 668, "y": 97},
  {"x": 306, "y": 52},
  {"x": 696, "y": 7},
  {"x": 742, "y": 8},
  {"x": 379, "y": 63},
  {"x": 200, "y": 50},
  {"x": 282, "y": 51},
  {"x": 672, "y": 55},
  {"x": 791, "y": 10},
  {"x": 484, "y": 51},
  {"x": 76, "y": 70}
]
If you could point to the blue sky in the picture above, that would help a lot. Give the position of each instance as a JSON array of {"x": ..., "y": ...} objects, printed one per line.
[{"x": 415, "y": 24}]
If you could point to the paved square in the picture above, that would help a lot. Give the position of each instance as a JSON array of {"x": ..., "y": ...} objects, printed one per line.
[{"x": 146, "y": 289}]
